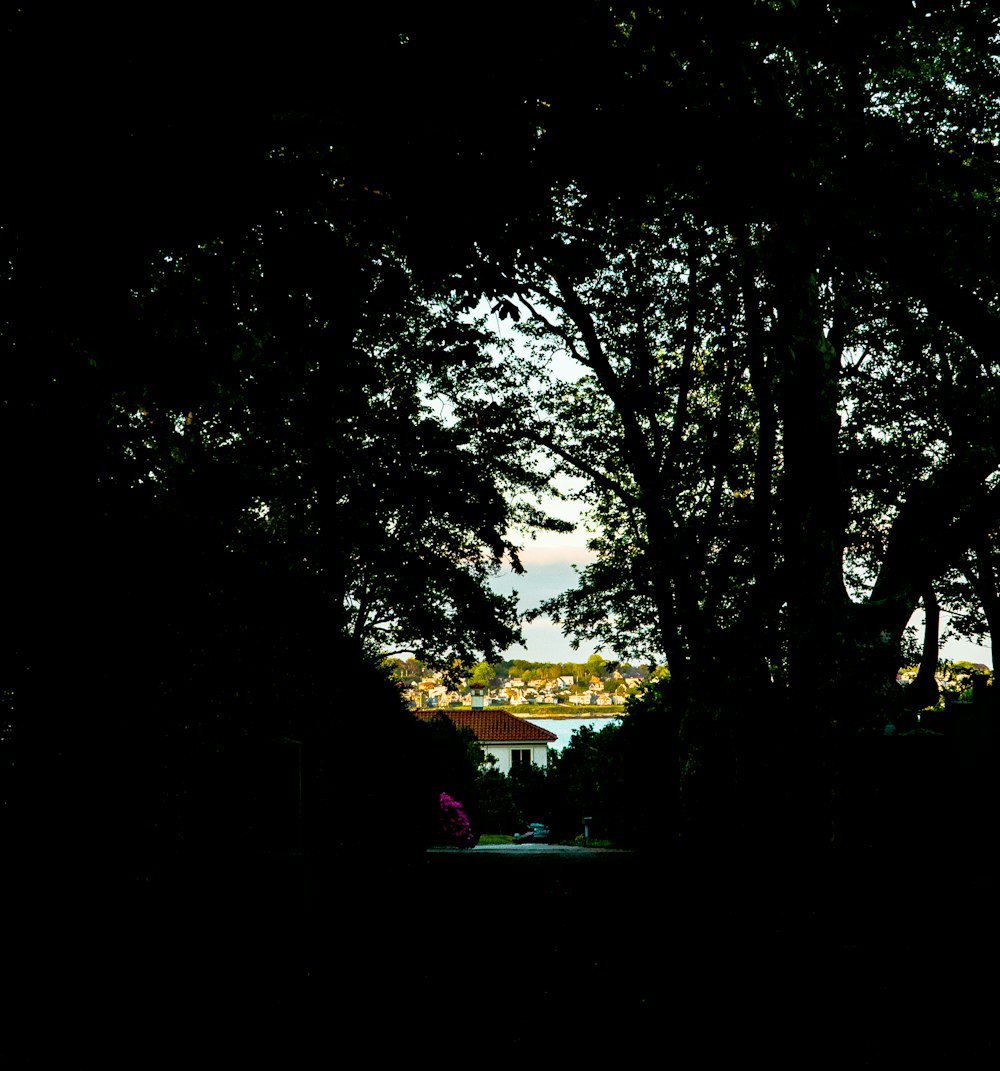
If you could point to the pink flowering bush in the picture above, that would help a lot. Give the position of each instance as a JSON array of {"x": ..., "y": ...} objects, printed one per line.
[{"x": 453, "y": 823}]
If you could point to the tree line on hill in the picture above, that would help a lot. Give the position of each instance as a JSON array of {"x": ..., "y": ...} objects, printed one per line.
[{"x": 485, "y": 672}]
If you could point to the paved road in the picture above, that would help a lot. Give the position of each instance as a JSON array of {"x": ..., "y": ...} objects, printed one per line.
[{"x": 528, "y": 849}]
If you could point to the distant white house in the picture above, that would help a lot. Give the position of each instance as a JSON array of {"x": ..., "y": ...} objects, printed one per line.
[{"x": 511, "y": 740}]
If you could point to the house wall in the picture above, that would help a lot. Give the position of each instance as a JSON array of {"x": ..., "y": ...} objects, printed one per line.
[{"x": 539, "y": 754}]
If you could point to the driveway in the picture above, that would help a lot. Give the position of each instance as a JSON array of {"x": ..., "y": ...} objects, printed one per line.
[{"x": 527, "y": 849}]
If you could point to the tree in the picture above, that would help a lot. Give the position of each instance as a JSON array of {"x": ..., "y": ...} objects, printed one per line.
[
  {"x": 219, "y": 379},
  {"x": 322, "y": 429},
  {"x": 760, "y": 483},
  {"x": 651, "y": 309},
  {"x": 739, "y": 343},
  {"x": 764, "y": 492},
  {"x": 482, "y": 674}
]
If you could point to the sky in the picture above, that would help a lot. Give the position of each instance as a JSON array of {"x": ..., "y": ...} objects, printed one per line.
[
  {"x": 548, "y": 563},
  {"x": 548, "y": 570}
]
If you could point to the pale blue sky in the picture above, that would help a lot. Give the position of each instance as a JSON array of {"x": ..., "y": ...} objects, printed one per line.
[{"x": 548, "y": 571}]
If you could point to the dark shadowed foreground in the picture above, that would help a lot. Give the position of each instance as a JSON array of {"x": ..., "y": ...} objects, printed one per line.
[{"x": 449, "y": 956}]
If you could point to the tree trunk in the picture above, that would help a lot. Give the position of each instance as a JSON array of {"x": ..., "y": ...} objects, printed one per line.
[{"x": 813, "y": 503}]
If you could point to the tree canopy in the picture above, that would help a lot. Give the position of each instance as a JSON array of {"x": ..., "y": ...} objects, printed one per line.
[
  {"x": 783, "y": 317},
  {"x": 253, "y": 410}
]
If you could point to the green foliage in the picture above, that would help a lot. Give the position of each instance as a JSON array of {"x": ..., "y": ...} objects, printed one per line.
[
  {"x": 773, "y": 406},
  {"x": 617, "y": 776},
  {"x": 506, "y": 802},
  {"x": 482, "y": 673},
  {"x": 584, "y": 777},
  {"x": 531, "y": 792},
  {"x": 961, "y": 678},
  {"x": 497, "y": 810},
  {"x": 621, "y": 776},
  {"x": 595, "y": 665},
  {"x": 318, "y": 441},
  {"x": 452, "y": 758}
]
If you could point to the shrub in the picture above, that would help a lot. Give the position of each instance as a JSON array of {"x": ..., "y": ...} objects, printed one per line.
[{"x": 454, "y": 828}]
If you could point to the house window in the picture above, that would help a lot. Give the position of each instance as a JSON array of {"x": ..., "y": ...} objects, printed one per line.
[{"x": 520, "y": 756}]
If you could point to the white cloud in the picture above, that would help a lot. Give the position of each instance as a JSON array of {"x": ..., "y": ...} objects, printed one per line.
[{"x": 552, "y": 553}]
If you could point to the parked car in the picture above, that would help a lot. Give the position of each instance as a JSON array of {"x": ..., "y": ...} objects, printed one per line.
[{"x": 536, "y": 832}]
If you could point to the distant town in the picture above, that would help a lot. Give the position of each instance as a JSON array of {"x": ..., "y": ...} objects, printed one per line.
[{"x": 594, "y": 683}]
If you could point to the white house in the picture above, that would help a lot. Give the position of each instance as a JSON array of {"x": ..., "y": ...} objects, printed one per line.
[{"x": 511, "y": 740}]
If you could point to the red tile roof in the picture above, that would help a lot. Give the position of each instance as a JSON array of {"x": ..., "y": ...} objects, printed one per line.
[{"x": 493, "y": 726}]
